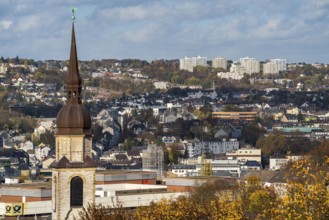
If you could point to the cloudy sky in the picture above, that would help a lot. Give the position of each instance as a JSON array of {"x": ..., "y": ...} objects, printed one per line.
[{"x": 297, "y": 30}]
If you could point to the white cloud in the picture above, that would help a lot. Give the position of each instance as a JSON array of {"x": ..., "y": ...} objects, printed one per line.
[
  {"x": 320, "y": 3},
  {"x": 5, "y": 24},
  {"x": 28, "y": 23},
  {"x": 132, "y": 13},
  {"x": 143, "y": 34},
  {"x": 127, "y": 28}
]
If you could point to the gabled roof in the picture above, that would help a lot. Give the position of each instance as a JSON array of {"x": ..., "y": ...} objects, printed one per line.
[
  {"x": 121, "y": 157},
  {"x": 291, "y": 116},
  {"x": 65, "y": 163},
  {"x": 134, "y": 153}
]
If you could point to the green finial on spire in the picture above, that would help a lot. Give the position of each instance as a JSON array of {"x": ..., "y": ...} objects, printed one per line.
[{"x": 74, "y": 10}]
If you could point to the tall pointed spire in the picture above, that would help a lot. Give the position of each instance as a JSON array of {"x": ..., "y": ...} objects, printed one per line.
[
  {"x": 73, "y": 170},
  {"x": 73, "y": 78},
  {"x": 73, "y": 118}
]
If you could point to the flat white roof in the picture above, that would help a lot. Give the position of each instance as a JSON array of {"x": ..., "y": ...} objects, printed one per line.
[{"x": 127, "y": 186}]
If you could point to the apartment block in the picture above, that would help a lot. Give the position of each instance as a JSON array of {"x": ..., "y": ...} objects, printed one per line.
[
  {"x": 270, "y": 68},
  {"x": 188, "y": 63},
  {"x": 219, "y": 62},
  {"x": 251, "y": 65},
  {"x": 281, "y": 64}
]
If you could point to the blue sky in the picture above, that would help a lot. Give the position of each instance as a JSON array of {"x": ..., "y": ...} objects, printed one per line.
[{"x": 297, "y": 30}]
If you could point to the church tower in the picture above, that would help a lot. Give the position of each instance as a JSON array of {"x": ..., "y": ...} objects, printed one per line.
[{"x": 73, "y": 171}]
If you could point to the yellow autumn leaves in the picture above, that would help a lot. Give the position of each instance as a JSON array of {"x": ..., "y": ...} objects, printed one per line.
[{"x": 305, "y": 195}]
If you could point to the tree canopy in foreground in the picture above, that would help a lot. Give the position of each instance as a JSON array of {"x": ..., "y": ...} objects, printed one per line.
[{"x": 305, "y": 195}]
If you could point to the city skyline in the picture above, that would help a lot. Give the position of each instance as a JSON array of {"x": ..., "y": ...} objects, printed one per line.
[{"x": 294, "y": 30}]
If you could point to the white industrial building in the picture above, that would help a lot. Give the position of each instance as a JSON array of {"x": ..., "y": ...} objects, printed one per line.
[
  {"x": 109, "y": 195},
  {"x": 220, "y": 167},
  {"x": 230, "y": 75},
  {"x": 277, "y": 162},
  {"x": 246, "y": 154}
]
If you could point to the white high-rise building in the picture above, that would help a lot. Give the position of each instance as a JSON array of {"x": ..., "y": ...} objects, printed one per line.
[
  {"x": 219, "y": 62},
  {"x": 199, "y": 61},
  {"x": 270, "y": 68},
  {"x": 251, "y": 65},
  {"x": 189, "y": 63},
  {"x": 237, "y": 68},
  {"x": 186, "y": 64},
  {"x": 3, "y": 68},
  {"x": 282, "y": 64}
]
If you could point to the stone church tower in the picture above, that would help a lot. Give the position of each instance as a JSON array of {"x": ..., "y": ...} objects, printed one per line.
[{"x": 73, "y": 171}]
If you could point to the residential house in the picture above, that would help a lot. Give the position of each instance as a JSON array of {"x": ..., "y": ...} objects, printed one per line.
[
  {"x": 196, "y": 147},
  {"x": 276, "y": 162},
  {"x": 168, "y": 116},
  {"x": 251, "y": 165},
  {"x": 225, "y": 168},
  {"x": 42, "y": 152},
  {"x": 221, "y": 133},
  {"x": 186, "y": 116},
  {"x": 136, "y": 127},
  {"x": 293, "y": 111},
  {"x": 169, "y": 139},
  {"x": 246, "y": 154},
  {"x": 290, "y": 118},
  {"x": 26, "y": 145},
  {"x": 161, "y": 85},
  {"x": 183, "y": 170}
]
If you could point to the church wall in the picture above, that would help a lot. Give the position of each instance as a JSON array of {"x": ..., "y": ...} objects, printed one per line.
[
  {"x": 70, "y": 146},
  {"x": 62, "y": 199}
]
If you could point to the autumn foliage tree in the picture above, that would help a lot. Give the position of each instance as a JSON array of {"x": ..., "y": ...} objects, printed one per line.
[
  {"x": 304, "y": 195},
  {"x": 273, "y": 144}
]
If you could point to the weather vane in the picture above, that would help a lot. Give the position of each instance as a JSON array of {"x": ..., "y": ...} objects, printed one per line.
[{"x": 74, "y": 10}]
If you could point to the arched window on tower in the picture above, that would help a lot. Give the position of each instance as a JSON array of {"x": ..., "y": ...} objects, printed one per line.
[{"x": 76, "y": 198}]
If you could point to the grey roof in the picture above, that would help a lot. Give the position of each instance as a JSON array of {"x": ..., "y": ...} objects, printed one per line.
[
  {"x": 121, "y": 157},
  {"x": 252, "y": 163},
  {"x": 65, "y": 163}
]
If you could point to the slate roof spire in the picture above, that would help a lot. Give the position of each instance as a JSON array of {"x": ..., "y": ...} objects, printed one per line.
[
  {"x": 73, "y": 118},
  {"x": 73, "y": 79}
]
